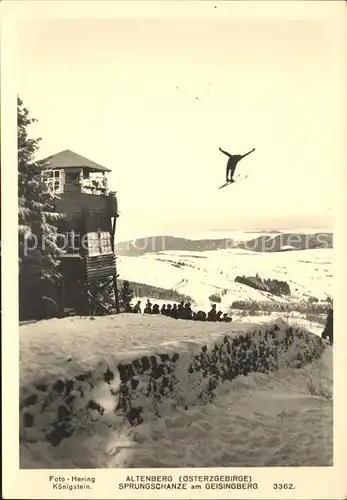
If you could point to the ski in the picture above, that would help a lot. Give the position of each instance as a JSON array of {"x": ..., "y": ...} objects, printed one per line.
[{"x": 233, "y": 182}]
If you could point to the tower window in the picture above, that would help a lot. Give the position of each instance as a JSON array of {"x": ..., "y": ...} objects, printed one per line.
[
  {"x": 99, "y": 243},
  {"x": 105, "y": 242},
  {"x": 53, "y": 180}
]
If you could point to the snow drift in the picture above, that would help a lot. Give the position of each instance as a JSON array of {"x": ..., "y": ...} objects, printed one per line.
[{"x": 66, "y": 393}]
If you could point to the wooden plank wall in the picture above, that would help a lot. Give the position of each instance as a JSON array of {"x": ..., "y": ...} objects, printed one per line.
[
  {"x": 70, "y": 203},
  {"x": 85, "y": 213},
  {"x": 100, "y": 266},
  {"x": 73, "y": 270}
]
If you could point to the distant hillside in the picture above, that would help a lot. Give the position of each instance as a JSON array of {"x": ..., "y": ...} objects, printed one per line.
[
  {"x": 142, "y": 246},
  {"x": 288, "y": 241},
  {"x": 269, "y": 242}
]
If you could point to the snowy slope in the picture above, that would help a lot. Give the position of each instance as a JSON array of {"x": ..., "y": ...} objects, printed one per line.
[
  {"x": 308, "y": 272},
  {"x": 264, "y": 420},
  {"x": 261, "y": 419}
]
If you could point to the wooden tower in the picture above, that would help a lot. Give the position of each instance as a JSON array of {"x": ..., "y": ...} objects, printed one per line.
[{"x": 87, "y": 232}]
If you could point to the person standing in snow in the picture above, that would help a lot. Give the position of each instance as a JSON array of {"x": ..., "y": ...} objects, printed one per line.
[{"x": 329, "y": 330}]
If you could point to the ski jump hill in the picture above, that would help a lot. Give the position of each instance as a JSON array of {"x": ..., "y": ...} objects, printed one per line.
[{"x": 79, "y": 375}]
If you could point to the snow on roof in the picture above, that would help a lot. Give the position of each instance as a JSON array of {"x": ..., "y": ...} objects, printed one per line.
[{"x": 69, "y": 159}]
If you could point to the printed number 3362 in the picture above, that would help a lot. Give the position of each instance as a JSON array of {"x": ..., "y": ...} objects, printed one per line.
[{"x": 283, "y": 486}]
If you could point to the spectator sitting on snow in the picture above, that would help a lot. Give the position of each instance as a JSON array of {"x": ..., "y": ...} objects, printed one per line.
[
  {"x": 163, "y": 310},
  {"x": 128, "y": 308},
  {"x": 137, "y": 308},
  {"x": 175, "y": 311},
  {"x": 155, "y": 309},
  {"x": 226, "y": 318},
  {"x": 212, "y": 315},
  {"x": 169, "y": 310},
  {"x": 180, "y": 310},
  {"x": 188, "y": 313},
  {"x": 198, "y": 316},
  {"x": 148, "y": 309},
  {"x": 201, "y": 316},
  {"x": 219, "y": 316}
]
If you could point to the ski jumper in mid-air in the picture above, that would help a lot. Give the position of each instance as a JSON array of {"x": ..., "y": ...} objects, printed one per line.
[{"x": 232, "y": 163}]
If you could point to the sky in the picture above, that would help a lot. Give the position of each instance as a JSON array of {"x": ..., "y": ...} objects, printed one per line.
[{"x": 154, "y": 99}]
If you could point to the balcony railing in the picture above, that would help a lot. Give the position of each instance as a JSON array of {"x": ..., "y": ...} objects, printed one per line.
[
  {"x": 60, "y": 182},
  {"x": 95, "y": 185}
]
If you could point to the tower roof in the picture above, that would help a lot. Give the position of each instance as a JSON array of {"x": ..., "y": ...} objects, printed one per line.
[{"x": 69, "y": 159}]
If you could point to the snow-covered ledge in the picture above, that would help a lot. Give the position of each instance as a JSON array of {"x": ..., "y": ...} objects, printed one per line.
[{"x": 110, "y": 388}]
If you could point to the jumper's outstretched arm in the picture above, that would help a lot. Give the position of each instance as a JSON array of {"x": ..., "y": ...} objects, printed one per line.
[
  {"x": 249, "y": 152},
  {"x": 224, "y": 152}
]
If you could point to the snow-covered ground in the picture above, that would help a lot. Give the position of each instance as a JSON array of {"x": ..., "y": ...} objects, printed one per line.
[
  {"x": 263, "y": 420},
  {"x": 60, "y": 345},
  {"x": 292, "y": 318},
  {"x": 57, "y": 343},
  {"x": 308, "y": 273},
  {"x": 276, "y": 419}
]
